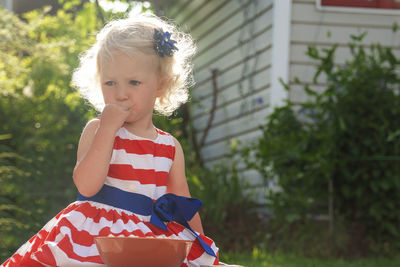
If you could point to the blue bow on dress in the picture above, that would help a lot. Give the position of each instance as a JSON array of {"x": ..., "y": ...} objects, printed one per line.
[
  {"x": 167, "y": 208},
  {"x": 171, "y": 207}
]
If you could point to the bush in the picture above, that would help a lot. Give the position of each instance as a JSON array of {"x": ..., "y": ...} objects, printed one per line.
[
  {"x": 43, "y": 117},
  {"x": 229, "y": 215},
  {"x": 346, "y": 138},
  {"x": 14, "y": 220}
]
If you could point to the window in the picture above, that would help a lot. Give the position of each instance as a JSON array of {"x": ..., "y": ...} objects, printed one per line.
[{"x": 385, "y": 4}]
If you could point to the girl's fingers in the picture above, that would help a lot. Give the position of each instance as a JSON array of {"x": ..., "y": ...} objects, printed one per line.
[{"x": 123, "y": 107}]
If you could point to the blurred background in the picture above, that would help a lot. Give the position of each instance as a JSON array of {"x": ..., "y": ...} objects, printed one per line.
[{"x": 291, "y": 137}]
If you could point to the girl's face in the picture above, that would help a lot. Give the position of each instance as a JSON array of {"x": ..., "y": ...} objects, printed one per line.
[{"x": 131, "y": 81}]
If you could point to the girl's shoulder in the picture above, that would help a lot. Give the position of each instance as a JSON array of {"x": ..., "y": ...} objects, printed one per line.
[
  {"x": 165, "y": 137},
  {"x": 161, "y": 132},
  {"x": 92, "y": 125},
  {"x": 95, "y": 120}
]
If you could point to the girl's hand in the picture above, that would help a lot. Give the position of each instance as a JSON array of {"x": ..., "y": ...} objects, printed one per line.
[{"x": 114, "y": 116}]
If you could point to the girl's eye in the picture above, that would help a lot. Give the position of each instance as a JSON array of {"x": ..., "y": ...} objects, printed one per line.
[
  {"x": 133, "y": 82},
  {"x": 110, "y": 83}
]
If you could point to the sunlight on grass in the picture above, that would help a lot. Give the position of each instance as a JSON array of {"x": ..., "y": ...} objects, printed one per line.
[{"x": 260, "y": 258}]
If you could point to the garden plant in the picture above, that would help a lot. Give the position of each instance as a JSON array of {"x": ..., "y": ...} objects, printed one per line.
[{"x": 336, "y": 154}]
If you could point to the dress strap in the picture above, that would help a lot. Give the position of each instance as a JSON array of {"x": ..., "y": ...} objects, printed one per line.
[{"x": 168, "y": 207}]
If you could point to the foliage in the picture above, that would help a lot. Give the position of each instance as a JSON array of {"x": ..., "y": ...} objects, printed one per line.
[
  {"x": 348, "y": 134},
  {"x": 13, "y": 219},
  {"x": 41, "y": 113},
  {"x": 228, "y": 210}
]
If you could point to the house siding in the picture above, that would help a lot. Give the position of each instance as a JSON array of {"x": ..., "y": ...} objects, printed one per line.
[
  {"x": 237, "y": 38},
  {"x": 7, "y": 4},
  {"x": 323, "y": 28},
  {"x": 234, "y": 37}
]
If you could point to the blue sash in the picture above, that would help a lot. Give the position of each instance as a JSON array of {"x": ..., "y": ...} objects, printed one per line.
[{"x": 168, "y": 207}]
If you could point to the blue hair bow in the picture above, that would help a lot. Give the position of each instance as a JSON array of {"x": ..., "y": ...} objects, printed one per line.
[{"x": 163, "y": 44}]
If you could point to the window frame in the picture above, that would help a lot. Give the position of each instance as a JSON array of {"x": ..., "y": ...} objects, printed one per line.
[
  {"x": 350, "y": 3},
  {"x": 384, "y": 4},
  {"x": 348, "y": 8}
]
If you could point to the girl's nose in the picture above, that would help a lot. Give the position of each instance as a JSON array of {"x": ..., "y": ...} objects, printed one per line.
[{"x": 121, "y": 93}]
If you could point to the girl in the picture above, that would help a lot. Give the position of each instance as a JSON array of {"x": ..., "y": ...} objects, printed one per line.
[{"x": 127, "y": 172}]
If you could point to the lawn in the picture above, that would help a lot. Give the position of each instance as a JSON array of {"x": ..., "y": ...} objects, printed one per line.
[{"x": 261, "y": 259}]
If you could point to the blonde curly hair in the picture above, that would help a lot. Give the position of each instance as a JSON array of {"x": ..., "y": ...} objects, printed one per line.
[{"x": 129, "y": 36}]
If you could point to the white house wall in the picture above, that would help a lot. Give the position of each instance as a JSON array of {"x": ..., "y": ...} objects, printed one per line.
[
  {"x": 323, "y": 28},
  {"x": 234, "y": 37},
  {"x": 7, "y": 4}
]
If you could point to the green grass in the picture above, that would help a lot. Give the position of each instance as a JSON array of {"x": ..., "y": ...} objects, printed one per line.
[{"x": 262, "y": 259}]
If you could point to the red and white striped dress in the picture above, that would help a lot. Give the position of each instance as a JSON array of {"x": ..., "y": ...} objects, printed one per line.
[{"x": 138, "y": 165}]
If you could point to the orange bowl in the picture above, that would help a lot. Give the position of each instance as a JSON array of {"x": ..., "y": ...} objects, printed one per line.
[{"x": 142, "y": 251}]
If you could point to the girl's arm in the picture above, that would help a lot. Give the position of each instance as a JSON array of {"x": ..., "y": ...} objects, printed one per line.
[
  {"x": 93, "y": 157},
  {"x": 95, "y": 149},
  {"x": 178, "y": 185}
]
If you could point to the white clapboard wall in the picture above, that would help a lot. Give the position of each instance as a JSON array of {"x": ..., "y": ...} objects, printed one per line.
[
  {"x": 234, "y": 37},
  {"x": 324, "y": 27}
]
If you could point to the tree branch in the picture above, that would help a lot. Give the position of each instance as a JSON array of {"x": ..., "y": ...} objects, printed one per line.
[
  {"x": 100, "y": 14},
  {"x": 213, "y": 107}
]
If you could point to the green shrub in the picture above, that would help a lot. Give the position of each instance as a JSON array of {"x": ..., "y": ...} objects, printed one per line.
[
  {"x": 43, "y": 115},
  {"x": 19, "y": 211},
  {"x": 229, "y": 214},
  {"x": 348, "y": 135}
]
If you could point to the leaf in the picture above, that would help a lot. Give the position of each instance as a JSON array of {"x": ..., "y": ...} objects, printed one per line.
[
  {"x": 309, "y": 91},
  {"x": 285, "y": 85},
  {"x": 392, "y": 136},
  {"x": 392, "y": 228},
  {"x": 359, "y": 37},
  {"x": 312, "y": 52},
  {"x": 342, "y": 124},
  {"x": 5, "y": 136},
  {"x": 395, "y": 27},
  {"x": 234, "y": 144}
]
